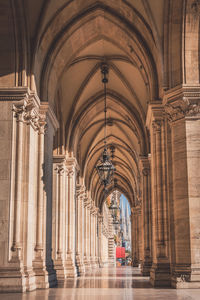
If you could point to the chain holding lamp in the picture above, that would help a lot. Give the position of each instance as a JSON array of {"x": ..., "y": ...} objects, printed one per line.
[{"x": 105, "y": 167}]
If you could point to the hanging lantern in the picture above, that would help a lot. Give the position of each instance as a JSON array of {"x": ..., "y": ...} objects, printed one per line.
[{"x": 105, "y": 167}]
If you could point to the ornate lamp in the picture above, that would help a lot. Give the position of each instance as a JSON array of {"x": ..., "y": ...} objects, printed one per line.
[
  {"x": 114, "y": 208},
  {"x": 105, "y": 168}
]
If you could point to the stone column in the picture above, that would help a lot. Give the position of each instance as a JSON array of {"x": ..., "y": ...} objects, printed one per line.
[
  {"x": 86, "y": 259},
  {"x": 39, "y": 265},
  {"x": 71, "y": 178},
  {"x": 139, "y": 235},
  {"x": 52, "y": 126},
  {"x": 100, "y": 224},
  {"x": 111, "y": 243},
  {"x": 79, "y": 231},
  {"x": 160, "y": 271},
  {"x": 88, "y": 222},
  {"x": 19, "y": 109},
  {"x": 134, "y": 224},
  {"x": 182, "y": 106},
  {"x": 96, "y": 236},
  {"x": 147, "y": 261},
  {"x": 59, "y": 218},
  {"x": 92, "y": 235}
]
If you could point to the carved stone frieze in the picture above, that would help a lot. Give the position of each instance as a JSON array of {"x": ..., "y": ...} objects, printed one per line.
[
  {"x": 27, "y": 111},
  {"x": 60, "y": 169},
  {"x": 182, "y": 108},
  {"x": 195, "y": 8},
  {"x": 181, "y": 102},
  {"x": 146, "y": 171},
  {"x": 157, "y": 125},
  {"x": 183, "y": 278}
]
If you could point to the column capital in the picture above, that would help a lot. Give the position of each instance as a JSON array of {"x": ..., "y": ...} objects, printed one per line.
[
  {"x": 60, "y": 169},
  {"x": 72, "y": 164},
  {"x": 182, "y": 102},
  {"x": 155, "y": 112},
  {"x": 144, "y": 165},
  {"x": 27, "y": 111},
  {"x": 46, "y": 109},
  {"x": 100, "y": 218}
]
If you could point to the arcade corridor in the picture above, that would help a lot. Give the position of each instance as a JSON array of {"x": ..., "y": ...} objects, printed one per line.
[{"x": 99, "y": 97}]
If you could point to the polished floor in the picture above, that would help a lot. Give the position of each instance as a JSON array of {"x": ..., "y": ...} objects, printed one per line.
[{"x": 121, "y": 283}]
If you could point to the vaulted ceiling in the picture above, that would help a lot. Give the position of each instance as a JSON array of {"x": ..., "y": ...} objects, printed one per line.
[{"x": 71, "y": 39}]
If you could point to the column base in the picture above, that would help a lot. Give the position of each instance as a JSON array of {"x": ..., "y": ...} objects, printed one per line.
[
  {"x": 80, "y": 265},
  {"x": 13, "y": 279},
  {"x": 146, "y": 267},
  {"x": 87, "y": 263},
  {"x": 51, "y": 275},
  {"x": 60, "y": 270},
  {"x": 41, "y": 275},
  {"x": 160, "y": 275},
  {"x": 135, "y": 262},
  {"x": 184, "y": 278},
  {"x": 93, "y": 262},
  {"x": 71, "y": 271}
]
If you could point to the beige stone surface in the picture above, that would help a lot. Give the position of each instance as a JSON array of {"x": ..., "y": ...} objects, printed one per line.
[{"x": 54, "y": 224}]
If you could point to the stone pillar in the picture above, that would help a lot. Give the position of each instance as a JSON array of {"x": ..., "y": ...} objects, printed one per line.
[
  {"x": 23, "y": 244},
  {"x": 59, "y": 217},
  {"x": 100, "y": 224},
  {"x": 182, "y": 106},
  {"x": 88, "y": 222},
  {"x": 160, "y": 271},
  {"x": 146, "y": 226},
  {"x": 96, "y": 236},
  {"x": 71, "y": 180},
  {"x": 39, "y": 266},
  {"x": 92, "y": 234},
  {"x": 52, "y": 126},
  {"x": 86, "y": 233},
  {"x": 111, "y": 243},
  {"x": 79, "y": 230},
  {"x": 135, "y": 237}
]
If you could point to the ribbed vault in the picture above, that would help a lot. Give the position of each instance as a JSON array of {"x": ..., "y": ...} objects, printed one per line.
[{"x": 69, "y": 53}]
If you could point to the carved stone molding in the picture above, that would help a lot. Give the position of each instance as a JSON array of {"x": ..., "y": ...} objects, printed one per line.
[
  {"x": 146, "y": 171},
  {"x": 195, "y": 8},
  {"x": 182, "y": 108},
  {"x": 157, "y": 125},
  {"x": 70, "y": 171},
  {"x": 182, "y": 102},
  {"x": 100, "y": 218},
  {"x": 60, "y": 169},
  {"x": 27, "y": 111}
]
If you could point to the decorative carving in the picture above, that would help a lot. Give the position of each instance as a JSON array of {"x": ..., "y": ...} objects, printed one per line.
[
  {"x": 27, "y": 112},
  {"x": 182, "y": 108},
  {"x": 70, "y": 172},
  {"x": 195, "y": 8},
  {"x": 60, "y": 169},
  {"x": 19, "y": 109},
  {"x": 42, "y": 124},
  {"x": 183, "y": 278},
  {"x": 157, "y": 124},
  {"x": 145, "y": 171}
]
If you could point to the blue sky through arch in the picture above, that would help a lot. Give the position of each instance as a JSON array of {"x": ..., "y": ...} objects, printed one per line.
[{"x": 125, "y": 202}]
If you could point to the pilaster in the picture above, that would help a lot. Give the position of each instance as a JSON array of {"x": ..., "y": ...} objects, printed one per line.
[
  {"x": 24, "y": 248},
  {"x": 80, "y": 191},
  {"x": 182, "y": 107},
  {"x": 59, "y": 244},
  {"x": 160, "y": 271},
  {"x": 146, "y": 211},
  {"x": 71, "y": 165}
]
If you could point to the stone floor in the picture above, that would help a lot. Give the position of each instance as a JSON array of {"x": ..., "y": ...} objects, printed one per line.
[{"x": 108, "y": 284}]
